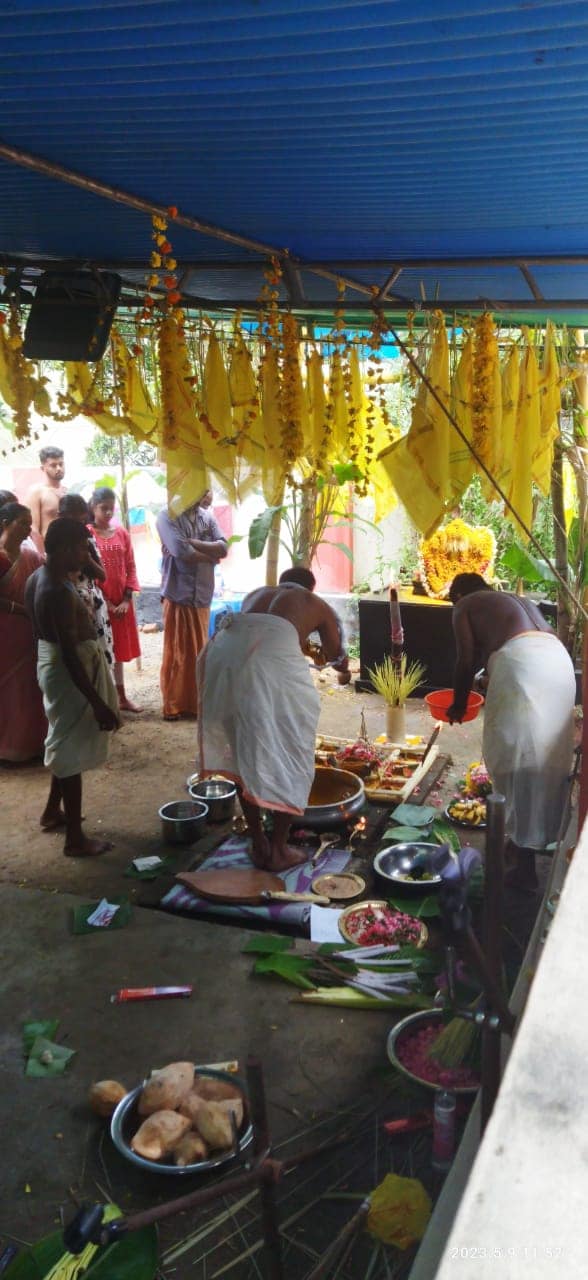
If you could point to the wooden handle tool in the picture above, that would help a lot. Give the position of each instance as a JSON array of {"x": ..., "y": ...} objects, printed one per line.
[{"x": 270, "y": 895}]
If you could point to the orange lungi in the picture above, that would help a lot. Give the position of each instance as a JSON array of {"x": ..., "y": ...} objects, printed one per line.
[{"x": 185, "y": 633}]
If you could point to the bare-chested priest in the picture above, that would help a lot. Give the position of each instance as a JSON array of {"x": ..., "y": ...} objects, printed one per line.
[
  {"x": 43, "y": 499},
  {"x": 259, "y": 708},
  {"x": 78, "y": 694}
]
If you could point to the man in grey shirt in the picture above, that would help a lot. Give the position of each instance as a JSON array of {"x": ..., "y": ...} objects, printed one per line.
[{"x": 192, "y": 545}]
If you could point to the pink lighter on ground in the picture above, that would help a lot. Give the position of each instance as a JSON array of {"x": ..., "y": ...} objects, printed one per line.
[{"x": 127, "y": 994}]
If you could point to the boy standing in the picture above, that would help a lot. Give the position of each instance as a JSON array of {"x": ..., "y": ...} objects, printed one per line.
[{"x": 43, "y": 499}]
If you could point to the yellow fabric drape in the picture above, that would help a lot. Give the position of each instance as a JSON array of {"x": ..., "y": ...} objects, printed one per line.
[
  {"x": 418, "y": 465},
  {"x": 510, "y": 409},
  {"x": 528, "y": 427},
  {"x": 316, "y": 404},
  {"x": 187, "y": 472},
  {"x": 136, "y": 415},
  {"x": 550, "y": 405},
  {"x": 272, "y": 470},
  {"x": 461, "y": 461}
]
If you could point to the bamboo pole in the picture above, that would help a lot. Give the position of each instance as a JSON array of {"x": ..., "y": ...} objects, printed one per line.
[{"x": 51, "y": 170}]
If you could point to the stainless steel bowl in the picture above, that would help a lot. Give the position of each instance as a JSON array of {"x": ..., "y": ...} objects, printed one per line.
[
  {"x": 335, "y": 797},
  {"x": 395, "y": 863},
  {"x": 183, "y": 821},
  {"x": 219, "y": 795},
  {"x": 126, "y": 1121},
  {"x": 415, "y": 1022}
]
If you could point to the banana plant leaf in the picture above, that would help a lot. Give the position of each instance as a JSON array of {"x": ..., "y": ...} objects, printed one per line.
[
  {"x": 421, "y": 909},
  {"x": 268, "y": 943},
  {"x": 133, "y": 1257},
  {"x": 291, "y": 968}
]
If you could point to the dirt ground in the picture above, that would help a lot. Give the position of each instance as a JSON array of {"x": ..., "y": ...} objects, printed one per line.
[{"x": 149, "y": 762}]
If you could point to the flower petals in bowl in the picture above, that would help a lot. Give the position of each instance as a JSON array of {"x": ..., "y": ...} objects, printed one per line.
[{"x": 376, "y": 924}]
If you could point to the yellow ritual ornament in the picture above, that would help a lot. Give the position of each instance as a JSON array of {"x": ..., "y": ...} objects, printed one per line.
[
  {"x": 456, "y": 548},
  {"x": 399, "y": 1213}
]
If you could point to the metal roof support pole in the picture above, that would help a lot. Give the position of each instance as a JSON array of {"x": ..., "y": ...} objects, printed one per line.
[{"x": 51, "y": 170}]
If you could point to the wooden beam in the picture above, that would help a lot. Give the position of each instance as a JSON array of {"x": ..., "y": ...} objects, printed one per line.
[
  {"x": 530, "y": 280},
  {"x": 293, "y": 282}
]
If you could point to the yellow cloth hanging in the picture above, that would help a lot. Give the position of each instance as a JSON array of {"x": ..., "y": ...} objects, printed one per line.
[
  {"x": 187, "y": 472},
  {"x": 487, "y": 402},
  {"x": 247, "y": 423},
  {"x": 135, "y": 415},
  {"x": 339, "y": 415},
  {"x": 550, "y": 406},
  {"x": 528, "y": 428},
  {"x": 317, "y": 408},
  {"x": 510, "y": 409},
  {"x": 418, "y": 465},
  {"x": 461, "y": 461},
  {"x": 272, "y": 472}
]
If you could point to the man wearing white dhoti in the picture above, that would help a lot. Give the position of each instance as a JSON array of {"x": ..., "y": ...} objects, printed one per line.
[
  {"x": 528, "y": 716},
  {"x": 260, "y": 709},
  {"x": 78, "y": 693}
]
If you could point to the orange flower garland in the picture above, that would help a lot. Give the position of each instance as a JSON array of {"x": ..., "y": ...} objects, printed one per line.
[{"x": 456, "y": 548}]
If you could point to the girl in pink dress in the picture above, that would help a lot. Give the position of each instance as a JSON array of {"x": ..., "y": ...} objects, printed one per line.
[
  {"x": 23, "y": 726},
  {"x": 116, "y": 553}
]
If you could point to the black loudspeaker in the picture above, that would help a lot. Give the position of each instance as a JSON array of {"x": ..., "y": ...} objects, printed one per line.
[{"x": 71, "y": 315}]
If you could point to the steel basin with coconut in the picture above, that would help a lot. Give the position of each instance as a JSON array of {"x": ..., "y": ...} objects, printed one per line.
[
  {"x": 183, "y": 821},
  {"x": 335, "y": 797}
]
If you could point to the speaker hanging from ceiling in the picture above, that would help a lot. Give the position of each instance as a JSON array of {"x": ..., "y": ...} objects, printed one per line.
[{"x": 71, "y": 315}]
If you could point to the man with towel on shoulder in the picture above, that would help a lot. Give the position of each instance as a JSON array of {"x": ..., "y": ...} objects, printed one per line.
[
  {"x": 78, "y": 693},
  {"x": 260, "y": 709},
  {"x": 528, "y": 716}
]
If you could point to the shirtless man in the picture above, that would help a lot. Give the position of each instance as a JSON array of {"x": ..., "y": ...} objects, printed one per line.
[
  {"x": 260, "y": 708},
  {"x": 528, "y": 716},
  {"x": 43, "y": 499},
  {"x": 78, "y": 693}
]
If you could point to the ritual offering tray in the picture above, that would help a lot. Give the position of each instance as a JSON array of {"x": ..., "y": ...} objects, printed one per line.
[
  {"x": 467, "y": 812},
  {"x": 376, "y": 924},
  {"x": 340, "y": 886},
  {"x": 390, "y": 770}
]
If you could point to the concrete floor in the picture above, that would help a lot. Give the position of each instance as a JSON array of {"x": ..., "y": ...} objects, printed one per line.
[{"x": 316, "y": 1061}]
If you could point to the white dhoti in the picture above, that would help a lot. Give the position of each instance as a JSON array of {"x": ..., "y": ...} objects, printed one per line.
[
  {"x": 528, "y": 734},
  {"x": 74, "y": 742},
  {"x": 259, "y": 711}
]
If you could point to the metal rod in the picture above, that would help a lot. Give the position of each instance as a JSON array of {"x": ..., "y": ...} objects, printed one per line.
[
  {"x": 261, "y": 1144},
  {"x": 531, "y": 281},
  {"x": 492, "y": 939},
  {"x": 51, "y": 170}
]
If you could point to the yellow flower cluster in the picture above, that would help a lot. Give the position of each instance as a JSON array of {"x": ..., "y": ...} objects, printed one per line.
[{"x": 456, "y": 548}]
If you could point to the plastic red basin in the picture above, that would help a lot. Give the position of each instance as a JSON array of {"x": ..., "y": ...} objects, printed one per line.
[{"x": 439, "y": 701}]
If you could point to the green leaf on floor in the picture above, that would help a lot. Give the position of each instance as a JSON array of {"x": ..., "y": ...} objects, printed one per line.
[
  {"x": 421, "y": 908},
  {"x": 80, "y": 917},
  {"x": 291, "y": 968},
  {"x": 133, "y": 1257},
  {"x": 406, "y": 835},
  {"x": 31, "y": 1030},
  {"x": 268, "y": 943},
  {"x": 414, "y": 815},
  {"x": 446, "y": 834},
  {"x": 47, "y": 1058}
]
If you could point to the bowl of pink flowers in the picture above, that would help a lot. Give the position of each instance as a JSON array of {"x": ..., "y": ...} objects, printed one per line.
[{"x": 375, "y": 924}]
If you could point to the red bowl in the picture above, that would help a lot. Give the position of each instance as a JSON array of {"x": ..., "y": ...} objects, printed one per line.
[{"x": 439, "y": 702}]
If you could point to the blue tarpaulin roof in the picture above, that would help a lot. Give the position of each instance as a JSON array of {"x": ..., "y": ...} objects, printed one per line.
[{"x": 440, "y": 145}]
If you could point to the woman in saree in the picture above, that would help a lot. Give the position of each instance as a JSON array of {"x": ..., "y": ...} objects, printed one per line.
[{"x": 22, "y": 724}]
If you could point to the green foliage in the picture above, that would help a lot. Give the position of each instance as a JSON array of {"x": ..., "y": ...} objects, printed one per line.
[
  {"x": 105, "y": 450},
  {"x": 259, "y": 531}
]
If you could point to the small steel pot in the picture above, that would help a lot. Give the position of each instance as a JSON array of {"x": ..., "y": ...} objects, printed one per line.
[
  {"x": 183, "y": 821},
  {"x": 219, "y": 795}
]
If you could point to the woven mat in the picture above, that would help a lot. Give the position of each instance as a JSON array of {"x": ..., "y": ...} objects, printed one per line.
[{"x": 234, "y": 853}]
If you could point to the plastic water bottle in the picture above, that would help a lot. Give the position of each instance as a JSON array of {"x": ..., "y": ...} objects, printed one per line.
[
  {"x": 444, "y": 1130},
  {"x": 219, "y": 584}
]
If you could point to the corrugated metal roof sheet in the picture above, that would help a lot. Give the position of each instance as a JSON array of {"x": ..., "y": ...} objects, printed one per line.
[{"x": 358, "y": 129}]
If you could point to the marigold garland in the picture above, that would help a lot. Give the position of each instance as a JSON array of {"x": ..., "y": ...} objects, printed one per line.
[
  {"x": 456, "y": 548},
  {"x": 485, "y": 360}
]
